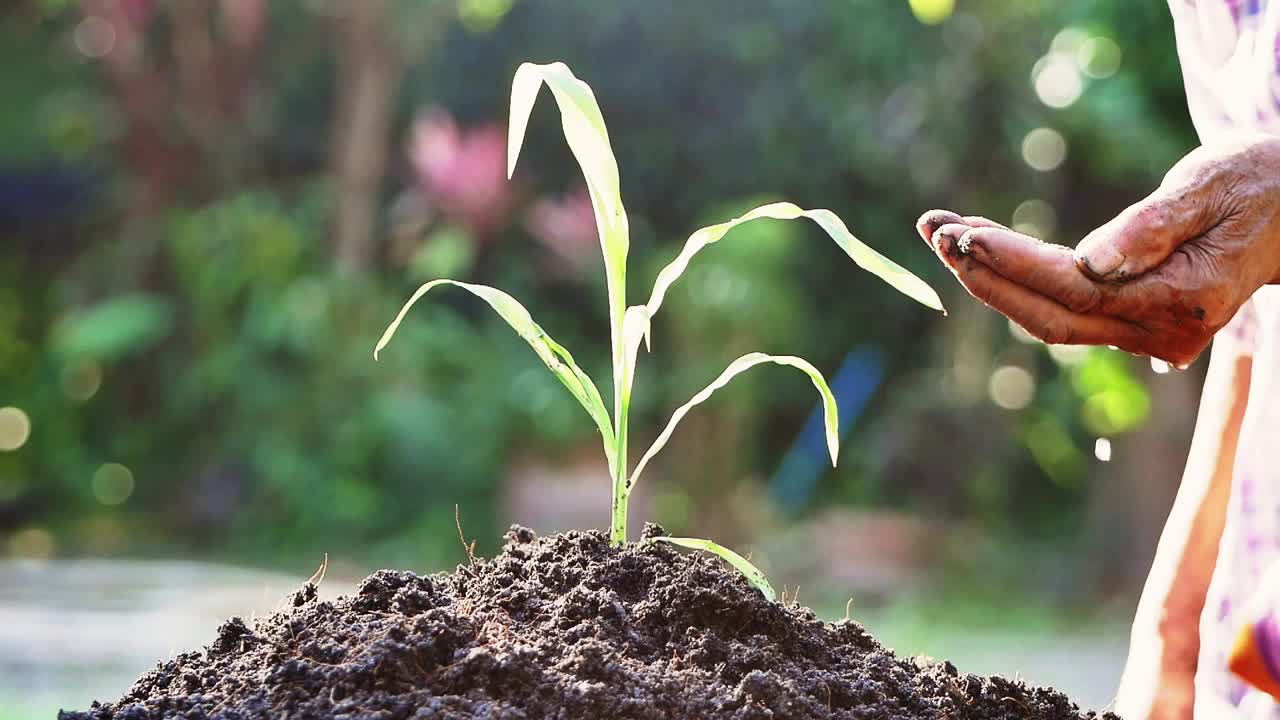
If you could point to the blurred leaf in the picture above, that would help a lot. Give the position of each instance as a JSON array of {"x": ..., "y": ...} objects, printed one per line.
[
  {"x": 479, "y": 16},
  {"x": 245, "y": 240},
  {"x": 50, "y": 110},
  {"x": 1115, "y": 400},
  {"x": 114, "y": 328},
  {"x": 1051, "y": 446},
  {"x": 447, "y": 252}
]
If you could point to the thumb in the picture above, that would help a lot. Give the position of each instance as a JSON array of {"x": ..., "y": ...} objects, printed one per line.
[{"x": 1140, "y": 238}]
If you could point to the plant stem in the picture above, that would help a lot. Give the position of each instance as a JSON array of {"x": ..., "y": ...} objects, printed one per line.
[
  {"x": 621, "y": 396},
  {"x": 618, "y": 526}
]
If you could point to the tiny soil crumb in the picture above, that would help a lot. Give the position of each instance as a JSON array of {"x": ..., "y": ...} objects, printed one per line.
[{"x": 562, "y": 627}]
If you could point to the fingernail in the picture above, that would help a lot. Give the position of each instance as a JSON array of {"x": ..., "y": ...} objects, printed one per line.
[
  {"x": 932, "y": 220},
  {"x": 1101, "y": 259},
  {"x": 945, "y": 243},
  {"x": 928, "y": 227}
]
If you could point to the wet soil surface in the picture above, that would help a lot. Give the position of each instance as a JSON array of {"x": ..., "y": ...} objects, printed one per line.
[{"x": 562, "y": 627}]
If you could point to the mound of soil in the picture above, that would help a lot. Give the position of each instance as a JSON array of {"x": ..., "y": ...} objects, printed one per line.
[{"x": 562, "y": 627}]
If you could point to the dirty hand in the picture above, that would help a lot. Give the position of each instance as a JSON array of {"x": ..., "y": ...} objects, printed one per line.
[{"x": 1160, "y": 279}]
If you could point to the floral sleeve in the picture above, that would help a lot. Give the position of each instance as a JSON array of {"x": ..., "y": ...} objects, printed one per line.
[
  {"x": 1240, "y": 335},
  {"x": 1255, "y": 657}
]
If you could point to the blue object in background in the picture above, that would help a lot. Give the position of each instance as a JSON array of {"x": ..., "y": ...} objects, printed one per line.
[
  {"x": 853, "y": 385},
  {"x": 43, "y": 194}
]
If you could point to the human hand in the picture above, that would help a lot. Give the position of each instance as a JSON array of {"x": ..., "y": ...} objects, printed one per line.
[{"x": 1160, "y": 279}]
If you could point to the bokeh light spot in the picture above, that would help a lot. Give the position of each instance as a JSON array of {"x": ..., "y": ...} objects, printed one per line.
[
  {"x": 15, "y": 428},
  {"x": 94, "y": 37},
  {"x": 1036, "y": 218},
  {"x": 1012, "y": 387},
  {"x": 112, "y": 484},
  {"x": 1044, "y": 149},
  {"x": 932, "y": 12},
  {"x": 1102, "y": 449},
  {"x": 1099, "y": 57},
  {"x": 81, "y": 380},
  {"x": 1057, "y": 81},
  {"x": 33, "y": 543},
  {"x": 1068, "y": 41}
]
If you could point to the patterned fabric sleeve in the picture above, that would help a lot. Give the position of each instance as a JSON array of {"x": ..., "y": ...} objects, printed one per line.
[
  {"x": 1240, "y": 335},
  {"x": 1255, "y": 657},
  {"x": 1230, "y": 56}
]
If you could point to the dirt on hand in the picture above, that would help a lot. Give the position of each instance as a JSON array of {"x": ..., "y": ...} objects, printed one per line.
[{"x": 563, "y": 627}]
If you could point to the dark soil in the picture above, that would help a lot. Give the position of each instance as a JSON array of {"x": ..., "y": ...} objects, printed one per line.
[{"x": 562, "y": 627}]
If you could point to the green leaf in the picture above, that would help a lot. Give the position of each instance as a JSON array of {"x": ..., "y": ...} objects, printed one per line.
[
  {"x": 555, "y": 356},
  {"x": 866, "y": 258},
  {"x": 585, "y": 132},
  {"x": 589, "y": 140},
  {"x": 742, "y": 364},
  {"x": 741, "y": 564},
  {"x": 115, "y": 327},
  {"x": 635, "y": 327}
]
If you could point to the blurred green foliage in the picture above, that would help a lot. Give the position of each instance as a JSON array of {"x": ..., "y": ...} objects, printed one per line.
[{"x": 170, "y": 298}]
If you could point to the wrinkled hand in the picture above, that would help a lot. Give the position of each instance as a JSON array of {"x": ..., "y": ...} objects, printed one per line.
[{"x": 1160, "y": 279}]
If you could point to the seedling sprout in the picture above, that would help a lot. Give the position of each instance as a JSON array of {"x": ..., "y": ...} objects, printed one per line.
[{"x": 584, "y": 129}]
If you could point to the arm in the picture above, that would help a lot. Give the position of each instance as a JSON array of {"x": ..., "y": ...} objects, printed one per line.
[
  {"x": 1160, "y": 279},
  {"x": 1165, "y": 643}
]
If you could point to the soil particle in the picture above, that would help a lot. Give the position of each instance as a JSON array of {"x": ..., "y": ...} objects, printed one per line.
[{"x": 562, "y": 627}]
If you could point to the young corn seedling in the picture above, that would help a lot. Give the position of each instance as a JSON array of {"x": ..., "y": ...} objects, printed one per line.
[{"x": 584, "y": 129}]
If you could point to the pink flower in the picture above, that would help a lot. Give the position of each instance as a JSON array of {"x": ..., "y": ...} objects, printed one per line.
[
  {"x": 462, "y": 171},
  {"x": 244, "y": 20},
  {"x": 137, "y": 12},
  {"x": 567, "y": 226}
]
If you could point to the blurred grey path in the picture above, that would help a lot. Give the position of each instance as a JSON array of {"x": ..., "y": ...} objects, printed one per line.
[
  {"x": 77, "y": 630},
  {"x": 73, "y": 631},
  {"x": 1085, "y": 665}
]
